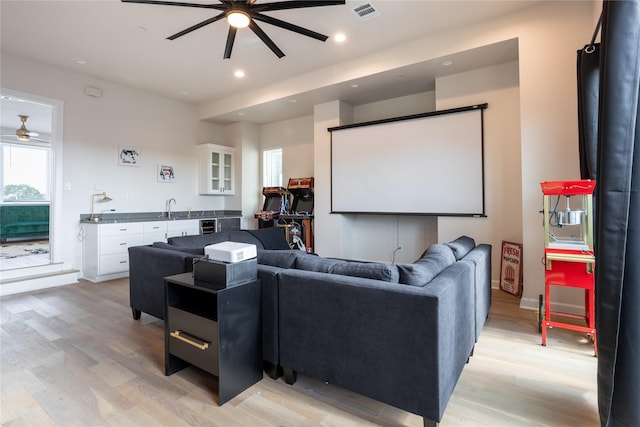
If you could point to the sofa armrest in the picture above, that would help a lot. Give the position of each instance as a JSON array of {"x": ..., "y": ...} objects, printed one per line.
[
  {"x": 402, "y": 345},
  {"x": 148, "y": 266},
  {"x": 268, "y": 276}
]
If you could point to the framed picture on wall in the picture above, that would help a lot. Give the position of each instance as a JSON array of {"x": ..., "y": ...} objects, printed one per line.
[
  {"x": 128, "y": 156},
  {"x": 511, "y": 268},
  {"x": 166, "y": 173}
]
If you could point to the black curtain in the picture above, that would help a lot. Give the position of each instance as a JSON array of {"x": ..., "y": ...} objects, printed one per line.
[
  {"x": 588, "y": 93},
  {"x": 618, "y": 216}
]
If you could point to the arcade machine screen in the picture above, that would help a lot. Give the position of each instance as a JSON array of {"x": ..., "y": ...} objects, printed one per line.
[{"x": 276, "y": 201}]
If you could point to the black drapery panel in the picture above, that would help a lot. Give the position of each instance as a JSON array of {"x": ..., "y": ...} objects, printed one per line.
[
  {"x": 588, "y": 65},
  {"x": 618, "y": 217}
]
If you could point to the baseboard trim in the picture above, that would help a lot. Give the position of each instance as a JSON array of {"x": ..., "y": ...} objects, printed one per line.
[{"x": 532, "y": 303}]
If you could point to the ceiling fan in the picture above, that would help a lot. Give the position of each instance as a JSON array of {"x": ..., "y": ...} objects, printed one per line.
[
  {"x": 245, "y": 13},
  {"x": 23, "y": 134}
]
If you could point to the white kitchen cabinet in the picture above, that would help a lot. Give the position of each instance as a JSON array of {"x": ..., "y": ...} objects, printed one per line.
[
  {"x": 154, "y": 231},
  {"x": 106, "y": 249},
  {"x": 184, "y": 227},
  {"x": 106, "y": 246},
  {"x": 216, "y": 169}
]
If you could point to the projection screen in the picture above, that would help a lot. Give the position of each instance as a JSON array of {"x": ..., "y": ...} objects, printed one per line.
[{"x": 426, "y": 164}]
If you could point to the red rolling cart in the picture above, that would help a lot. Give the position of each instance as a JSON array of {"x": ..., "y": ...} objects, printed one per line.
[{"x": 568, "y": 254}]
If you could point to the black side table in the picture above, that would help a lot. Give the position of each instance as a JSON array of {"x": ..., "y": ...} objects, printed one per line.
[{"x": 218, "y": 331}]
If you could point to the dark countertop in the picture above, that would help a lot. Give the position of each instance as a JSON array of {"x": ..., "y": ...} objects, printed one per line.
[{"x": 113, "y": 218}]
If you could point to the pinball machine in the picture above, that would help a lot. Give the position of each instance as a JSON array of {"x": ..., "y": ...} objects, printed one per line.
[{"x": 298, "y": 221}]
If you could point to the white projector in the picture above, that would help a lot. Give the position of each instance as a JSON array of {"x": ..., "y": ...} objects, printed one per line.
[{"x": 230, "y": 251}]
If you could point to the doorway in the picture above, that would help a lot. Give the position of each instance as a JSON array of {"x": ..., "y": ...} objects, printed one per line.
[{"x": 31, "y": 140}]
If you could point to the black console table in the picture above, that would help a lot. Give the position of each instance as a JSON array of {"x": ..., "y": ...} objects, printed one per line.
[{"x": 218, "y": 331}]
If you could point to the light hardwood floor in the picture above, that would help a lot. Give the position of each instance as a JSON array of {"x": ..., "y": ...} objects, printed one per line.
[{"x": 73, "y": 356}]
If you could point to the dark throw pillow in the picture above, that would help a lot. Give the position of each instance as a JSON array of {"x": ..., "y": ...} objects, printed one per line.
[
  {"x": 462, "y": 246},
  {"x": 271, "y": 237}
]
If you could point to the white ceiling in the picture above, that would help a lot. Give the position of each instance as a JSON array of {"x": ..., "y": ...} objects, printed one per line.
[{"x": 105, "y": 35}]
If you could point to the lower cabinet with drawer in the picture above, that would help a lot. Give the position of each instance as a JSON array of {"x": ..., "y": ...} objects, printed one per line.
[
  {"x": 106, "y": 250},
  {"x": 218, "y": 331}
]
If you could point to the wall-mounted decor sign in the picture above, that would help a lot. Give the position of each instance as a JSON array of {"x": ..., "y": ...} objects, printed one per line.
[
  {"x": 511, "y": 268},
  {"x": 128, "y": 156},
  {"x": 166, "y": 173}
]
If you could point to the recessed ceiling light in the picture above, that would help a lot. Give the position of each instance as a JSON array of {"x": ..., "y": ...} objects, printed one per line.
[
  {"x": 340, "y": 37},
  {"x": 354, "y": 85},
  {"x": 293, "y": 100},
  {"x": 184, "y": 92},
  {"x": 141, "y": 29},
  {"x": 239, "y": 74},
  {"x": 447, "y": 62},
  {"x": 79, "y": 61},
  {"x": 241, "y": 113}
]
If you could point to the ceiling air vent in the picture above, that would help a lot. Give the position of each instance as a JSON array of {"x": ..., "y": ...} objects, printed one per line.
[{"x": 366, "y": 11}]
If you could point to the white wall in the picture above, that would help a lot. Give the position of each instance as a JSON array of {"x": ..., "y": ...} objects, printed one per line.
[
  {"x": 295, "y": 137},
  {"x": 499, "y": 87},
  {"x": 94, "y": 128},
  {"x": 245, "y": 137},
  {"x": 548, "y": 41}
]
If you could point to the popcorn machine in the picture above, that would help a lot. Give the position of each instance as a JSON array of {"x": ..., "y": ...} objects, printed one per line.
[{"x": 568, "y": 251}]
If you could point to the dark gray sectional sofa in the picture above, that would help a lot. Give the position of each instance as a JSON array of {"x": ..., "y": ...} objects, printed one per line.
[{"x": 398, "y": 333}]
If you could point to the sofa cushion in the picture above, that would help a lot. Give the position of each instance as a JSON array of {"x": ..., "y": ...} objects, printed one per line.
[
  {"x": 311, "y": 262},
  {"x": 428, "y": 266},
  {"x": 243, "y": 236},
  {"x": 442, "y": 250},
  {"x": 271, "y": 237},
  {"x": 278, "y": 258},
  {"x": 367, "y": 270},
  {"x": 198, "y": 240},
  {"x": 163, "y": 245},
  {"x": 461, "y": 246}
]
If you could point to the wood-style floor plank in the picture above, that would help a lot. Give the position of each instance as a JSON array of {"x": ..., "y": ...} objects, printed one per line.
[{"x": 73, "y": 356}]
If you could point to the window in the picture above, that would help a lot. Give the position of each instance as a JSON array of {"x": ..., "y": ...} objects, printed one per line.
[
  {"x": 272, "y": 168},
  {"x": 25, "y": 173}
]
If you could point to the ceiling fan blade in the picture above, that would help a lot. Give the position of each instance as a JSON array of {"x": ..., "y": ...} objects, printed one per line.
[
  {"x": 265, "y": 38},
  {"x": 31, "y": 138},
  {"x": 230, "y": 39},
  {"x": 195, "y": 27},
  {"x": 295, "y": 4},
  {"x": 174, "y": 3},
  {"x": 289, "y": 26}
]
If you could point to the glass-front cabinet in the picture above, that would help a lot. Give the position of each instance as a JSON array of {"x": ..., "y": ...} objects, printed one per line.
[{"x": 216, "y": 169}]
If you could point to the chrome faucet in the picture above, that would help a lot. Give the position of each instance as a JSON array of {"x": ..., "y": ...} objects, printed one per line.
[{"x": 169, "y": 206}]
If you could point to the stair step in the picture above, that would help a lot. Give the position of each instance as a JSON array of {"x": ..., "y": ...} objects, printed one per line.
[{"x": 14, "y": 285}]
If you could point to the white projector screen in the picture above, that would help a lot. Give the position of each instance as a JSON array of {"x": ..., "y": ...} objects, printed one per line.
[{"x": 427, "y": 164}]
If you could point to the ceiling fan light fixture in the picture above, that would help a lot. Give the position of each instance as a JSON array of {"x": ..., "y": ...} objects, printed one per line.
[
  {"x": 238, "y": 19},
  {"x": 23, "y": 133}
]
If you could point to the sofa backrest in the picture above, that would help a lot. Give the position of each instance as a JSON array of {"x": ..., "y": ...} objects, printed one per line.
[
  {"x": 198, "y": 241},
  {"x": 265, "y": 238},
  {"x": 430, "y": 264}
]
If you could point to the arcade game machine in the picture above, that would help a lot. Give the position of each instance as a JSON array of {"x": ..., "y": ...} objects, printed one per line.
[
  {"x": 298, "y": 221},
  {"x": 276, "y": 202},
  {"x": 568, "y": 253}
]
